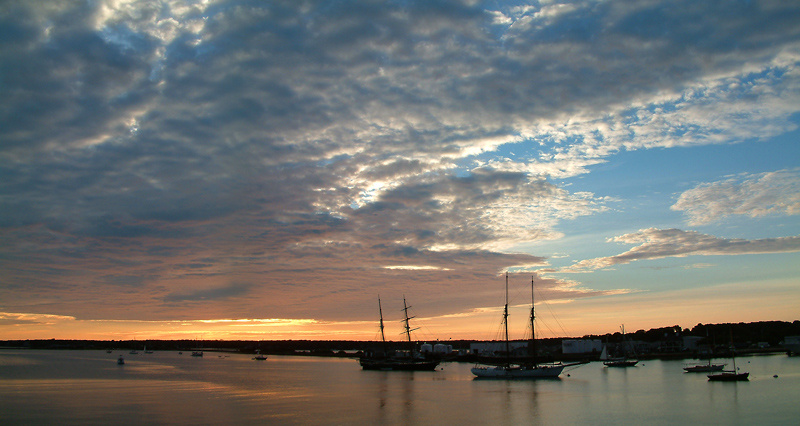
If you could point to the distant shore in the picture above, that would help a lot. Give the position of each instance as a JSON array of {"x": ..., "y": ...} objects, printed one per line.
[
  {"x": 754, "y": 338},
  {"x": 330, "y": 353}
]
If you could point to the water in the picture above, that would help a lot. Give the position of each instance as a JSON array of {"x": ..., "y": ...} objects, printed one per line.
[{"x": 165, "y": 388}]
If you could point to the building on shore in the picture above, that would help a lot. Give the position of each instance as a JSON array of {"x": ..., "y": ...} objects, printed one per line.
[{"x": 581, "y": 346}]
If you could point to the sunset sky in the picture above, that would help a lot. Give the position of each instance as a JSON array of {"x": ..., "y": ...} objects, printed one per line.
[{"x": 267, "y": 169}]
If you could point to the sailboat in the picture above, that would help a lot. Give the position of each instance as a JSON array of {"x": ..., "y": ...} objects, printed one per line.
[
  {"x": 622, "y": 361},
  {"x": 705, "y": 368},
  {"x": 198, "y": 353},
  {"x": 410, "y": 360},
  {"x": 730, "y": 375},
  {"x": 259, "y": 356},
  {"x": 528, "y": 369}
]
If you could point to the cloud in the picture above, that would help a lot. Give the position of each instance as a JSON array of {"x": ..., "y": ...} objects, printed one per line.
[
  {"x": 163, "y": 142},
  {"x": 222, "y": 110},
  {"x": 754, "y": 195},
  {"x": 24, "y": 319},
  {"x": 209, "y": 294},
  {"x": 662, "y": 243}
]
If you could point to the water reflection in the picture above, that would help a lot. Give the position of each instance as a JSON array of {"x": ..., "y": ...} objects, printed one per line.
[{"x": 82, "y": 388}]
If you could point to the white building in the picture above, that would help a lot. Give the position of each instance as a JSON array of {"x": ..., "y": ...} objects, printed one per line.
[
  {"x": 442, "y": 349},
  {"x": 581, "y": 346}
]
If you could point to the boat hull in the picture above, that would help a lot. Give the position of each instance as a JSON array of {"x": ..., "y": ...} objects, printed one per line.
[
  {"x": 704, "y": 368},
  {"x": 729, "y": 377},
  {"x": 626, "y": 363},
  {"x": 517, "y": 372},
  {"x": 398, "y": 365}
]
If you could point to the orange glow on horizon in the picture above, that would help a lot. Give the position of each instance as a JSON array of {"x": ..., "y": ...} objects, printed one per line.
[{"x": 575, "y": 318}]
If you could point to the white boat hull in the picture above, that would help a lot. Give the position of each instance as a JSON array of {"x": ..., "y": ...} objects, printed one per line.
[{"x": 517, "y": 372}]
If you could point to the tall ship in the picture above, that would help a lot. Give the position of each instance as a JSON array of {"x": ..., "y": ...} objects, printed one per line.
[
  {"x": 513, "y": 368},
  {"x": 406, "y": 360}
]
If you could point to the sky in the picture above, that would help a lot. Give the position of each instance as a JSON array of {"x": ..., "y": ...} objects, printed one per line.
[{"x": 269, "y": 170}]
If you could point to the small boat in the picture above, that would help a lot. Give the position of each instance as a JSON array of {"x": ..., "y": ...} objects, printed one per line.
[
  {"x": 120, "y": 360},
  {"x": 198, "y": 353},
  {"x": 703, "y": 368},
  {"x": 108, "y": 351},
  {"x": 134, "y": 352},
  {"x": 730, "y": 375},
  {"x": 519, "y": 369},
  {"x": 410, "y": 360},
  {"x": 622, "y": 361},
  {"x": 259, "y": 356},
  {"x": 146, "y": 351}
]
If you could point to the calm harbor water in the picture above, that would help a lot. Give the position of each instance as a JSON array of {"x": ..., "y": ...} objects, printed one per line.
[{"x": 165, "y": 388}]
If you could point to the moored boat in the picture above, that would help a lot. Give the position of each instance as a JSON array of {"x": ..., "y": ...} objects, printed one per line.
[
  {"x": 508, "y": 368},
  {"x": 704, "y": 368},
  {"x": 730, "y": 375},
  {"x": 622, "y": 361},
  {"x": 409, "y": 360}
]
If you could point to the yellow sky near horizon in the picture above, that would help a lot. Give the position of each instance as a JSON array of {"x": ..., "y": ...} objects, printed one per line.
[{"x": 720, "y": 304}]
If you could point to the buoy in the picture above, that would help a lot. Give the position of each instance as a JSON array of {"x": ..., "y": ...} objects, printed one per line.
[{"x": 775, "y": 376}]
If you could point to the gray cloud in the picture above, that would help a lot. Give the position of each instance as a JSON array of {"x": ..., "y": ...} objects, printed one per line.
[
  {"x": 209, "y": 295},
  {"x": 661, "y": 243}
]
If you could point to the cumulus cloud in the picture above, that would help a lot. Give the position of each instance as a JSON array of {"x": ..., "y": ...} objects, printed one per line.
[
  {"x": 754, "y": 195},
  {"x": 661, "y": 243}
]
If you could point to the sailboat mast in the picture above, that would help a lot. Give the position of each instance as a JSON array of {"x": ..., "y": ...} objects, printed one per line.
[
  {"x": 505, "y": 319},
  {"x": 624, "y": 343},
  {"x": 533, "y": 330},
  {"x": 380, "y": 311}
]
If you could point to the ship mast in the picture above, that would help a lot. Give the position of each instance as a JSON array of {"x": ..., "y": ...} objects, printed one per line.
[
  {"x": 505, "y": 321},
  {"x": 407, "y": 327},
  {"x": 380, "y": 311},
  {"x": 532, "y": 346}
]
